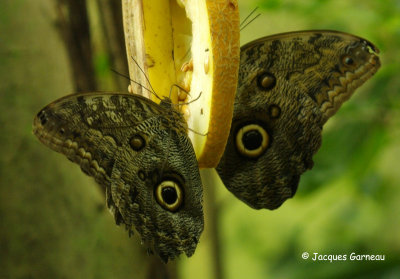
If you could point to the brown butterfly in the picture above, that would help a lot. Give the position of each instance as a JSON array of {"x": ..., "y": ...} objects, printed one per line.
[
  {"x": 290, "y": 84},
  {"x": 140, "y": 153}
]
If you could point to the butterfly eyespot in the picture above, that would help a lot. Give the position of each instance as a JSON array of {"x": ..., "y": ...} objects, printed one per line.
[
  {"x": 347, "y": 60},
  {"x": 252, "y": 140},
  {"x": 137, "y": 142},
  {"x": 266, "y": 81},
  {"x": 274, "y": 111},
  {"x": 169, "y": 195}
]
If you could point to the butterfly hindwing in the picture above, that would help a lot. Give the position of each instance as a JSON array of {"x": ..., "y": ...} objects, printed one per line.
[
  {"x": 140, "y": 153},
  {"x": 289, "y": 86}
]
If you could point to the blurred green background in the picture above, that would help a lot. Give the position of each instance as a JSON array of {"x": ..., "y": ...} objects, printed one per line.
[{"x": 53, "y": 220}]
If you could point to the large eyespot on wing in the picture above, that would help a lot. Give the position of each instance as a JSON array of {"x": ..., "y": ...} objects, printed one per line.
[
  {"x": 252, "y": 140},
  {"x": 293, "y": 82},
  {"x": 181, "y": 221},
  {"x": 128, "y": 143},
  {"x": 262, "y": 166},
  {"x": 169, "y": 194},
  {"x": 156, "y": 188}
]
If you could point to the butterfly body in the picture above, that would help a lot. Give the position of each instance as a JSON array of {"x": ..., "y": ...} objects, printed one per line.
[
  {"x": 289, "y": 85},
  {"x": 139, "y": 152}
]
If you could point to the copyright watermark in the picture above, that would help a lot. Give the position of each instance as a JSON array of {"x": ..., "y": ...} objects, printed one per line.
[
  {"x": 342, "y": 257},
  {"x": 305, "y": 255}
]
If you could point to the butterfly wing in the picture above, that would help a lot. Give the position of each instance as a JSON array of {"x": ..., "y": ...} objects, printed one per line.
[
  {"x": 289, "y": 86},
  {"x": 140, "y": 153}
]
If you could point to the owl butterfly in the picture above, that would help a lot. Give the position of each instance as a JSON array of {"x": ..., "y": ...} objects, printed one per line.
[
  {"x": 139, "y": 152},
  {"x": 289, "y": 85}
]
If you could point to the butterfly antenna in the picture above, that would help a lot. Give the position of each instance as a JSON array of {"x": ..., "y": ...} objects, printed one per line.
[
  {"x": 241, "y": 28},
  {"x": 179, "y": 87},
  {"x": 194, "y": 100},
  {"x": 249, "y": 15},
  {"x": 145, "y": 76},
  {"x": 127, "y": 77},
  {"x": 198, "y": 133},
  {"x": 191, "y": 101}
]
